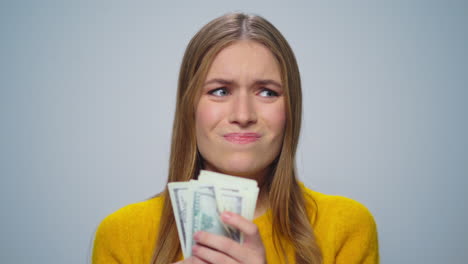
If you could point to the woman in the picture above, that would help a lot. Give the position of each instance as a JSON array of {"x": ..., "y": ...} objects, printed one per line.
[{"x": 239, "y": 112}]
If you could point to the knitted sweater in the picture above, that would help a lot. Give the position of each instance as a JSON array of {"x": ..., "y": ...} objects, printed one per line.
[{"x": 344, "y": 229}]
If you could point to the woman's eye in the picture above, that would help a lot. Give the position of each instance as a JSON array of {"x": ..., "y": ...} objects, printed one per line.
[
  {"x": 219, "y": 92},
  {"x": 268, "y": 93}
]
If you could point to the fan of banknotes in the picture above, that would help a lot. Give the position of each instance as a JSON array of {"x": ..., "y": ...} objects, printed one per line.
[{"x": 198, "y": 205}]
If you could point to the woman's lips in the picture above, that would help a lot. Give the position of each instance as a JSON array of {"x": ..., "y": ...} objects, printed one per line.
[{"x": 242, "y": 138}]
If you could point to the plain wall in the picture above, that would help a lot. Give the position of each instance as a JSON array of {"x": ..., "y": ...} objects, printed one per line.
[{"x": 88, "y": 94}]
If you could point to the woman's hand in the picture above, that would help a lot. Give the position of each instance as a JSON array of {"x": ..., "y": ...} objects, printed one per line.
[{"x": 215, "y": 249}]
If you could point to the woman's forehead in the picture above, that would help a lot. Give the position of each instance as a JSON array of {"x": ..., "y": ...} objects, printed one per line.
[{"x": 245, "y": 60}]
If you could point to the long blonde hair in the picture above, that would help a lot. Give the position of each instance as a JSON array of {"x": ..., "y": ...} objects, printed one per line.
[{"x": 291, "y": 221}]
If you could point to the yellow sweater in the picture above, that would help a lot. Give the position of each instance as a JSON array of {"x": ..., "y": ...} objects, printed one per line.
[{"x": 345, "y": 231}]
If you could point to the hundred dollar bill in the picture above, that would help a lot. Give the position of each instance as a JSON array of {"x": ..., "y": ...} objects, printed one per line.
[
  {"x": 206, "y": 216},
  {"x": 232, "y": 200},
  {"x": 180, "y": 193},
  {"x": 247, "y": 187},
  {"x": 198, "y": 204},
  {"x": 234, "y": 194}
]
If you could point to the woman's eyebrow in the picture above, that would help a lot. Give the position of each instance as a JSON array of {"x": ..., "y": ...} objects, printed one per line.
[
  {"x": 220, "y": 81},
  {"x": 267, "y": 82},
  {"x": 230, "y": 82}
]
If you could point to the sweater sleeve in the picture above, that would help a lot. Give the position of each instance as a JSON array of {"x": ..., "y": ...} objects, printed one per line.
[{"x": 358, "y": 241}]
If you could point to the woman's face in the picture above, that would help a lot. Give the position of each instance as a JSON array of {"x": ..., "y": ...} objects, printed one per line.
[{"x": 240, "y": 117}]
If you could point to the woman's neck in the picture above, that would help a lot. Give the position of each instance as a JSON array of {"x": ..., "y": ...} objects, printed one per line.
[{"x": 262, "y": 202}]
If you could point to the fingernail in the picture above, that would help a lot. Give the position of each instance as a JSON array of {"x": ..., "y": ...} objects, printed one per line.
[
  {"x": 196, "y": 236},
  {"x": 227, "y": 215}
]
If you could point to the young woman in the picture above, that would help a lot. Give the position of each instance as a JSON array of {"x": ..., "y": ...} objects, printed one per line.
[{"x": 238, "y": 112}]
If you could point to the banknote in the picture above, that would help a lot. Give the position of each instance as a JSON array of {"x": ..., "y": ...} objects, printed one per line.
[
  {"x": 198, "y": 205},
  {"x": 247, "y": 187},
  {"x": 180, "y": 193},
  {"x": 206, "y": 216},
  {"x": 232, "y": 200}
]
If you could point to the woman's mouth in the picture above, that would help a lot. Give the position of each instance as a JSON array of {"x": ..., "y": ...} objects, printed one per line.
[{"x": 242, "y": 138}]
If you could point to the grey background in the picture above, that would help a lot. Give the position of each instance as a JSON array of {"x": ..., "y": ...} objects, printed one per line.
[{"x": 87, "y": 100}]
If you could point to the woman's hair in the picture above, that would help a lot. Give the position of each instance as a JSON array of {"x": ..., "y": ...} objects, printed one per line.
[{"x": 288, "y": 205}]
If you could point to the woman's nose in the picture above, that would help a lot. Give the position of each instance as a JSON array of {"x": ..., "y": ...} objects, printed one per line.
[{"x": 243, "y": 110}]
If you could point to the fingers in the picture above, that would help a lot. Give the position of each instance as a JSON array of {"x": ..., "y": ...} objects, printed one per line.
[
  {"x": 219, "y": 243},
  {"x": 196, "y": 260},
  {"x": 191, "y": 260},
  {"x": 219, "y": 249},
  {"x": 211, "y": 256},
  {"x": 213, "y": 248},
  {"x": 248, "y": 228}
]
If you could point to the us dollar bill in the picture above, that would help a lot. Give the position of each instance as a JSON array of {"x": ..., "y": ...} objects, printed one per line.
[
  {"x": 206, "y": 216},
  {"x": 198, "y": 205},
  {"x": 180, "y": 193},
  {"x": 232, "y": 200},
  {"x": 246, "y": 187}
]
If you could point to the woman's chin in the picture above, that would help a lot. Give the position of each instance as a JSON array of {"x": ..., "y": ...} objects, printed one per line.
[{"x": 239, "y": 170}]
